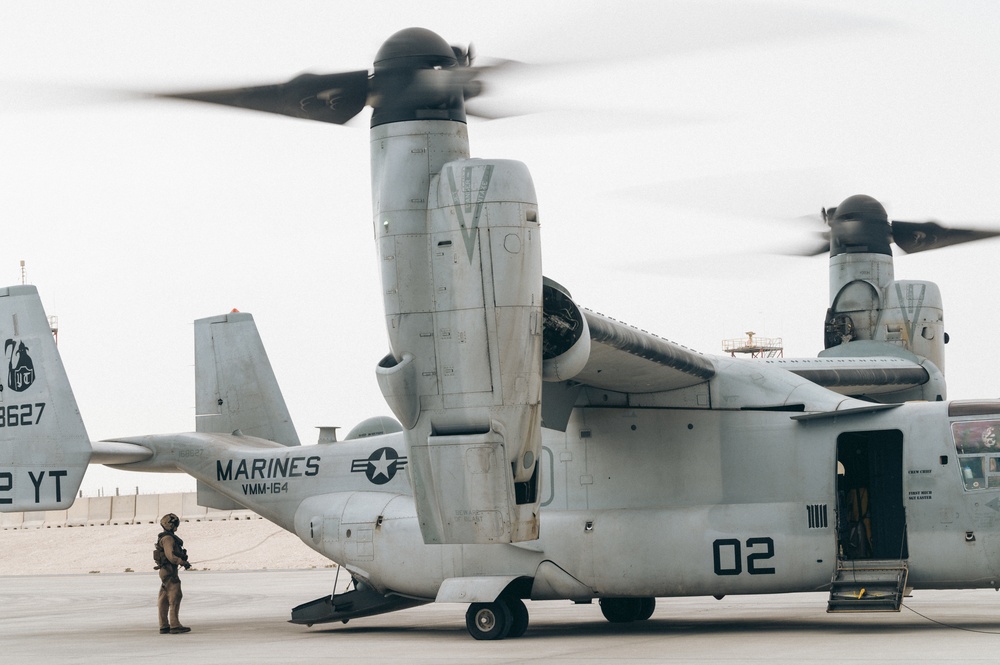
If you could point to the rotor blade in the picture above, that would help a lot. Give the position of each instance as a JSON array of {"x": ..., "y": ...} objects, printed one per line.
[
  {"x": 334, "y": 98},
  {"x": 815, "y": 248},
  {"x": 497, "y": 74},
  {"x": 914, "y": 237},
  {"x": 480, "y": 110},
  {"x": 820, "y": 242},
  {"x": 491, "y": 109},
  {"x": 823, "y": 247}
]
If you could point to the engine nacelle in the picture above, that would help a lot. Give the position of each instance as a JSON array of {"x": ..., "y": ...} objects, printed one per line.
[
  {"x": 870, "y": 312},
  {"x": 566, "y": 341},
  {"x": 462, "y": 280},
  {"x": 868, "y": 304}
]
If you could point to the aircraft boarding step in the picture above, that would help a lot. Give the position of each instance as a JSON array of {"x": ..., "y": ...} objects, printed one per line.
[
  {"x": 868, "y": 585},
  {"x": 362, "y": 601}
]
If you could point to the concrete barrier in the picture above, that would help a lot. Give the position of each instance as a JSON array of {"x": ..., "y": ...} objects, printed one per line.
[
  {"x": 33, "y": 520},
  {"x": 11, "y": 520},
  {"x": 170, "y": 503},
  {"x": 99, "y": 512},
  {"x": 123, "y": 509},
  {"x": 147, "y": 509},
  {"x": 190, "y": 510},
  {"x": 55, "y": 519},
  {"x": 78, "y": 512}
]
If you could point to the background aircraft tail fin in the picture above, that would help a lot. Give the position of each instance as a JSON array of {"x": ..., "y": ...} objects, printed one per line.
[
  {"x": 44, "y": 447},
  {"x": 235, "y": 387}
]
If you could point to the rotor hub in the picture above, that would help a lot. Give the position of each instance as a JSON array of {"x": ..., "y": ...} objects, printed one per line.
[
  {"x": 415, "y": 48},
  {"x": 416, "y": 78},
  {"x": 859, "y": 224}
]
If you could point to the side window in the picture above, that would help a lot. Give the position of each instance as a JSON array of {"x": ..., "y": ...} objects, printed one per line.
[
  {"x": 993, "y": 471},
  {"x": 978, "y": 454},
  {"x": 972, "y": 472}
]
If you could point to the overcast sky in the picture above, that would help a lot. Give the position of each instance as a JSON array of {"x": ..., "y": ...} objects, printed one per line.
[{"x": 680, "y": 147}]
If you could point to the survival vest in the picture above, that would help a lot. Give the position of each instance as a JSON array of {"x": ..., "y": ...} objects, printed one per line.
[{"x": 160, "y": 557}]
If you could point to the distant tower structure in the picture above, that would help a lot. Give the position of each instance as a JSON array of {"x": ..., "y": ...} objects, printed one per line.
[
  {"x": 759, "y": 347},
  {"x": 24, "y": 273}
]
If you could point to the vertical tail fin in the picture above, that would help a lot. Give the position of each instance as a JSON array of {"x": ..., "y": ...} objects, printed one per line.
[
  {"x": 235, "y": 387},
  {"x": 44, "y": 448}
]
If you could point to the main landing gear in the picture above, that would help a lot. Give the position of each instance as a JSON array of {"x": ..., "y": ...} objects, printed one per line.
[
  {"x": 623, "y": 610},
  {"x": 505, "y": 617},
  {"x": 508, "y": 617}
]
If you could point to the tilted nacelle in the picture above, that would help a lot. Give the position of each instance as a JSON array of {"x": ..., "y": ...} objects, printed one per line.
[
  {"x": 461, "y": 274},
  {"x": 870, "y": 305},
  {"x": 871, "y": 313}
]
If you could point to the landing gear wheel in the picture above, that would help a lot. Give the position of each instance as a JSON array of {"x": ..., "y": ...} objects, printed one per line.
[
  {"x": 488, "y": 621},
  {"x": 518, "y": 616},
  {"x": 623, "y": 610},
  {"x": 647, "y": 605}
]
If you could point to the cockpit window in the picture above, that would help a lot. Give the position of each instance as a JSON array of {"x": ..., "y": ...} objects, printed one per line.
[{"x": 978, "y": 454}]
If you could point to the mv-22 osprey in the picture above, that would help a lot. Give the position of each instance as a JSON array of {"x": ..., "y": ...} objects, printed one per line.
[{"x": 540, "y": 450}]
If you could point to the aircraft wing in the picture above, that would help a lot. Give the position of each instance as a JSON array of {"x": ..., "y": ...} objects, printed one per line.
[
  {"x": 584, "y": 348},
  {"x": 857, "y": 376},
  {"x": 587, "y": 348},
  {"x": 627, "y": 359}
]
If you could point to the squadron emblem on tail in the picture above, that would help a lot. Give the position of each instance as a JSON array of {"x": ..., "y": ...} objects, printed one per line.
[{"x": 20, "y": 369}]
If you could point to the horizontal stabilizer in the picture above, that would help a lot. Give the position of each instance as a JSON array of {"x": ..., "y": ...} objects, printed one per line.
[
  {"x": 44, "y": 448},
  {"x": 235, "y": 387},
  {"x": 116, "y": 452}
]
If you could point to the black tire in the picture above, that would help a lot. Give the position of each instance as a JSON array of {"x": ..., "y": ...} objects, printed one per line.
[
  {"x": 488, "y": 621},
  {"x": 621, "y": 610},
  {"x": 647, "y": 605},
  {"x": 518, "y": 616}
]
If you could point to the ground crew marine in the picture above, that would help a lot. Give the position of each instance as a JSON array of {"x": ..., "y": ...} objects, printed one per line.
[{"x": 169, "y": 555}]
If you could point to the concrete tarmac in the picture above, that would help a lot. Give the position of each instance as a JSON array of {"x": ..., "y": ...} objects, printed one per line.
[{"x": 241, "y": 617}]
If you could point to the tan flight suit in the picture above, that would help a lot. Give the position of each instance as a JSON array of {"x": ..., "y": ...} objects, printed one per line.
[{"x": 169, "y": 600}]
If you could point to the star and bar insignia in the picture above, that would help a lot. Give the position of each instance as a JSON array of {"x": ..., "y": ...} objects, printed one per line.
[{"x": 380, "y": 467}]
